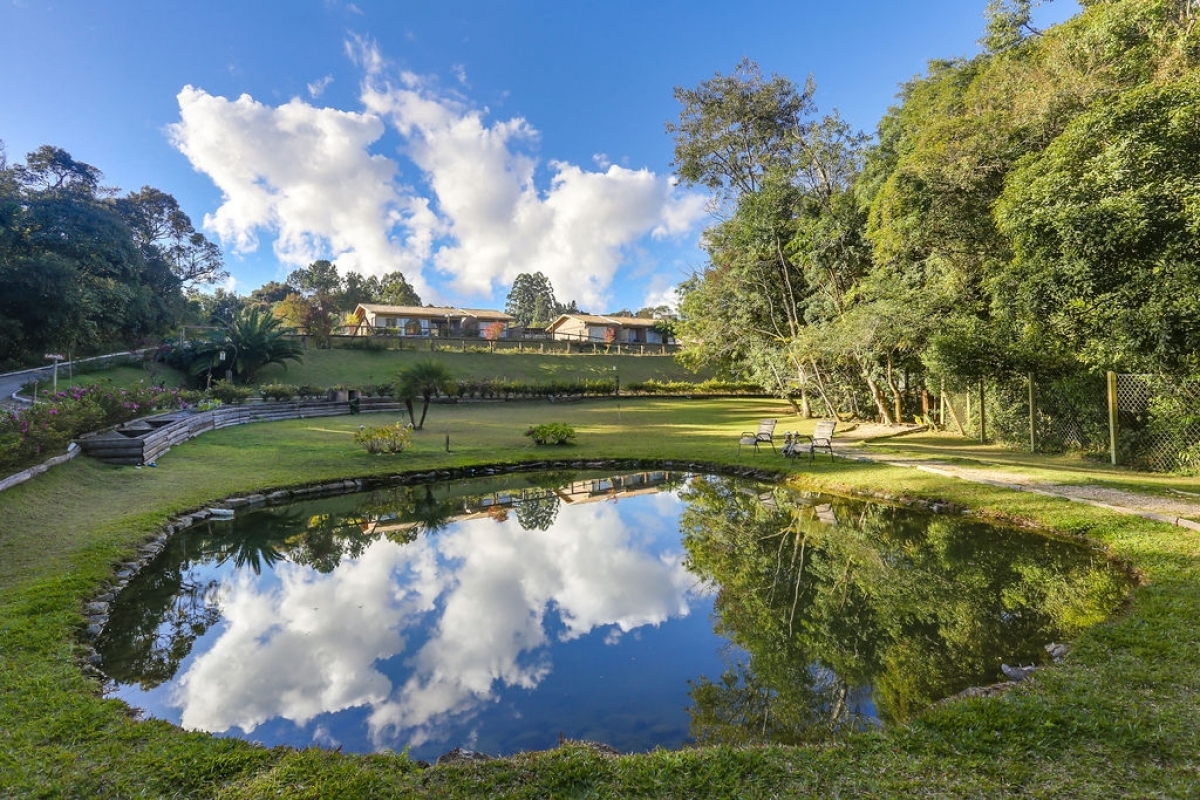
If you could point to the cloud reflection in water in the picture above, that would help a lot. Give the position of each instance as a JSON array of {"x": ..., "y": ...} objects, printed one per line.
[{"x": 464, "y": 612}]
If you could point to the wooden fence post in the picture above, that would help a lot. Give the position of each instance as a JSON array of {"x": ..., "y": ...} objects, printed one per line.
[
  {"x": 982, "y": 415},
  {"x": 942, "y": 405},
  {"x": 1112, "y": 416},
  {"x": 1032, "y": 416}
]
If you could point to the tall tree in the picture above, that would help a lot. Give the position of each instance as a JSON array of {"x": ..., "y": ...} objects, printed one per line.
[
  {"x": 395, "y": 290},
  {"x": 163, "y": 231},
  {"x": 357, "y": 288},
  {"x": 1008, "y": 24},
  {"x": 531, "y": 300},
  {"x": 52, "y": 170},
  {"x": 789, "y": 238},
  {"x": 739, "y": 136},
  {"x": 73, "y": 275},
  {"x": 218, "y": 307},
  {"x": 270, "y": 293},
  {"x": 322, "y": 288},
  {"x": 318, "y": 278},
  {"x": 734, "y": 130},
  {"x": 1103, "y": 223}
]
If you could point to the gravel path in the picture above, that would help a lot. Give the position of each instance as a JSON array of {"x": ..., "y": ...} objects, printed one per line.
[{"x": 1182, "y": 511}]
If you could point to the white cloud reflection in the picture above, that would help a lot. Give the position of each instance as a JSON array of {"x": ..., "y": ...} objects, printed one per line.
[{"x": 312, "y": 643}]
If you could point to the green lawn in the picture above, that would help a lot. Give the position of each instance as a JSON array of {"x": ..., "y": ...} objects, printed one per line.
[
  {"x": 367, "y": 367},
  {"x": 327, "y": 367},
  {"x": 1120, "y": 718}
]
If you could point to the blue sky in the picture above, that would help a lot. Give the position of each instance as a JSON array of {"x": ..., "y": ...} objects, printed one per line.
[{"x": 462, "y": 142}]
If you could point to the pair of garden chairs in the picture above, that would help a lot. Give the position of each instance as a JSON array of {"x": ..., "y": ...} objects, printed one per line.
[{"x": 796, "y": 443}]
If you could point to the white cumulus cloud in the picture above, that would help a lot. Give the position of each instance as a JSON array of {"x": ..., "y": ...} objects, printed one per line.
[
  {"x": 305, "y": 176},
  {"x": 480, "y": 207}
]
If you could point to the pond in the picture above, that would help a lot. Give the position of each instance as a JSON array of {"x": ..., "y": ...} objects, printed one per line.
[{"x": 642, "y": 610}]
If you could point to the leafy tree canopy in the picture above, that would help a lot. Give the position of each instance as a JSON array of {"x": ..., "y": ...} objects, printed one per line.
[{"x": 77, "y": 273}]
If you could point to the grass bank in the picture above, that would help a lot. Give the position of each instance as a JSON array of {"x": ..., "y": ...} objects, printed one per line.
[
  {"x": 1120, "y": 718},
  {"x": 371, "y": 367}
]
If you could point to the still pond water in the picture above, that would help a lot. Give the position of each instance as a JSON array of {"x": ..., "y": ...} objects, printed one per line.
[{"x": 640, "y": 610}]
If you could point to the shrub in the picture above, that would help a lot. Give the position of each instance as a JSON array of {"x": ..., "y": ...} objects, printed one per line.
[
  {"x": 310, "y": 390},
  {"x": 394, "y": 438},
  {"x": 708, "y": 387},
  {"x": 368, "y": 343},
  {"x": 190, "y": 397},
  {"x": 230, "y": 394},
  {"x": 551, "y": 433},
  {"x": 278, "y": 391}
]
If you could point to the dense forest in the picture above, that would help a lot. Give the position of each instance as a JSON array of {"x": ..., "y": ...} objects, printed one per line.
[
  {"x": 82, "y": 268},
  {"x": 1031, "y": 210}
]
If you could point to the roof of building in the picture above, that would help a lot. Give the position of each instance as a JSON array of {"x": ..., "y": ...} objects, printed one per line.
[
  {"x": 431, "y": 312},
  {"x": 601, "y": 319}
]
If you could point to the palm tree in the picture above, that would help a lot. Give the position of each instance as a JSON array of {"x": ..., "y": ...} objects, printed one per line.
[
  {"x": 247, "y": 344},
  {"x": 425, "y": 379}
]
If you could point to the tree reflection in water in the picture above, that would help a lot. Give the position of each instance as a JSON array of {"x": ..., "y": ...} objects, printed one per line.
[{"x": 832, "y": 599}]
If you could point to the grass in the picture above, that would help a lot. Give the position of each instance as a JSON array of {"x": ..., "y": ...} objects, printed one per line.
[
  {"x": 363, "y": 367},
  {"x": 1120, "y": 718},
  {"x": 327, "y": 367}
]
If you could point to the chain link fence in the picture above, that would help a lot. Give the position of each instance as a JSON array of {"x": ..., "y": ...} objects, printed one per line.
[
  {"x": 1158, "y": 423},
  {"x": 1069, "y": 413},
  {"x": 1157, "y": 418}
]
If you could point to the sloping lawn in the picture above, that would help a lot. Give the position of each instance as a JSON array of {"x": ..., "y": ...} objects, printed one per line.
[
  {"x": 358, "y": 368},
  {"x": 1120, "y": 718}
]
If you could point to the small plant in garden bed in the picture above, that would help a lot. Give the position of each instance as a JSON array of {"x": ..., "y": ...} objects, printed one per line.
[
  {"x": 552, "y": 433},
  {"x": 230, "y": 394},
  {"x": 395, "y": 438},
  {"x": 278, "y": 391},
  {"x": 310, "y": 391}
]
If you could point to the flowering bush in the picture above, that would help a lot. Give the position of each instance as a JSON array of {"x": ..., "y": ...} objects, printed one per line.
[
  {"x": 394, "y": 438},
  {"x": 311, "y": 390},
  {"x": 32, "y": 434}
]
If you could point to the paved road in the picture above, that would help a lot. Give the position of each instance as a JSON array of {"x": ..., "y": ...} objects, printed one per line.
[{"x": 11, "y": 382}]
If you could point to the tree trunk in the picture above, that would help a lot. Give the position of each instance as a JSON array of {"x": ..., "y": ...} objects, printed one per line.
[
  {"x": 805, "y": 403},
  {"x": 822, "y": 391},
  {"x": 880, "y": 401},
  {"x": 895, "y": 390},
  {"x": 953, "y": 414}
]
